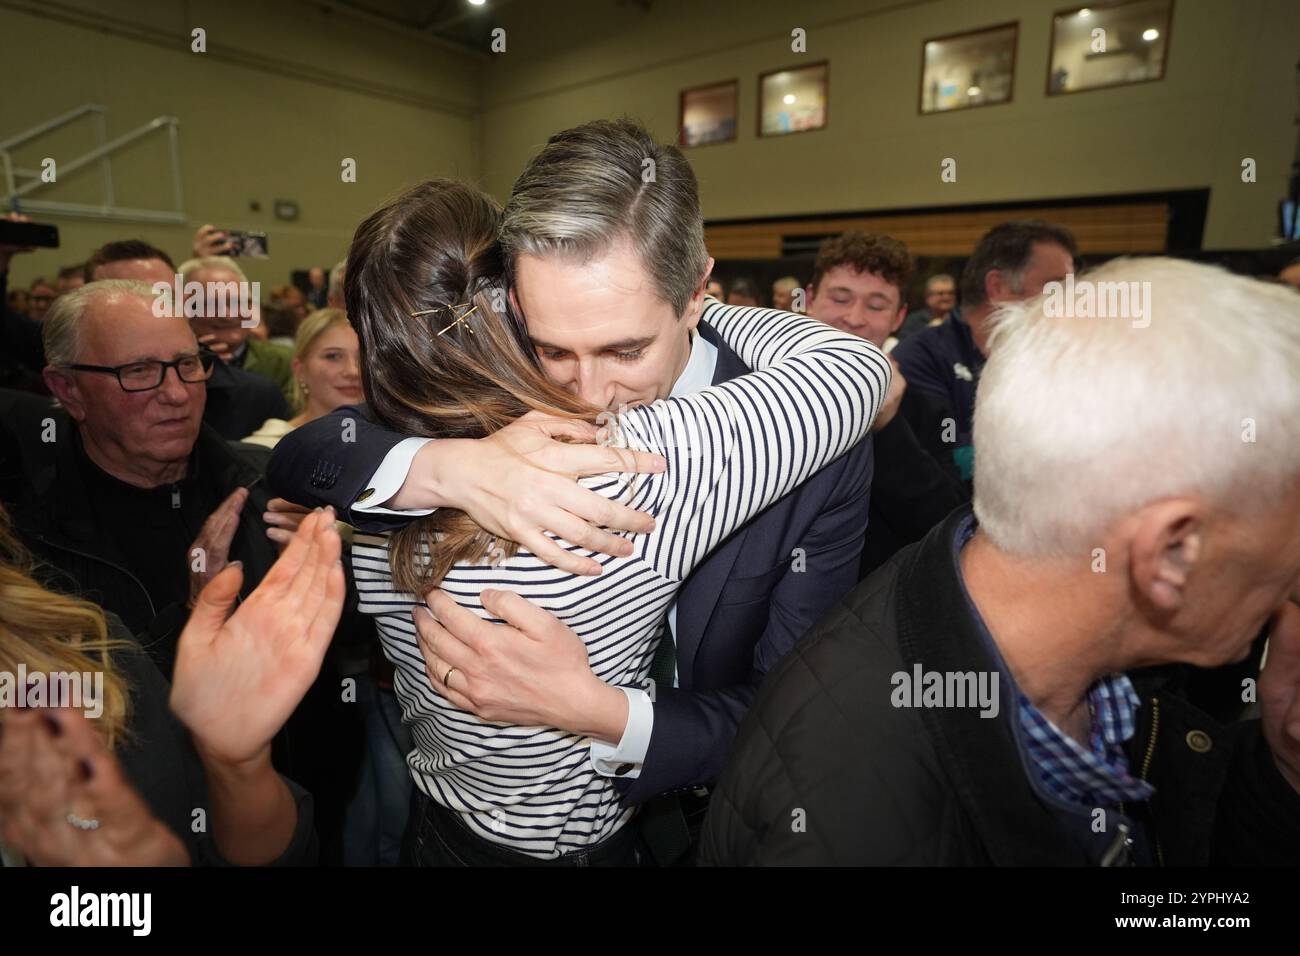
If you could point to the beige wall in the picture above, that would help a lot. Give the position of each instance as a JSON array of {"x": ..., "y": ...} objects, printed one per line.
[
  {"x": 287, "y": 91},
  {"x": 1229, "y": 93},
  {"x": 283, "y": 94}
]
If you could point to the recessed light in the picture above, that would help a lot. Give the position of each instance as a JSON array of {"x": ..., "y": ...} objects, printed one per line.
[{"x": 1150, "y": 35}]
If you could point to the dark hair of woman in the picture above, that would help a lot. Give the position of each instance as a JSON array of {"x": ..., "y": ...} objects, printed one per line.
[{"x": 443, "y": 354}]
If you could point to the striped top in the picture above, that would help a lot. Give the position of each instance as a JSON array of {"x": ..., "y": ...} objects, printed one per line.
[{"x": 732, "y": 450}]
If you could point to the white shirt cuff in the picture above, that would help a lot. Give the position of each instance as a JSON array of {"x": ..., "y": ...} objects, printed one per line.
[
  {"x": 626, "y": 759},
  {"x": 388, "y": 480}
]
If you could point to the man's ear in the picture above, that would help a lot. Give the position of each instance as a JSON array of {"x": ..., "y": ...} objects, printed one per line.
[
  {"x": 64, "y": 387},
  {"x": 898, "y": 319},
  {"x": 1165, "y": 548},
  {"x": 996, "y": 289},
  {"x": 695, "y": 308}
]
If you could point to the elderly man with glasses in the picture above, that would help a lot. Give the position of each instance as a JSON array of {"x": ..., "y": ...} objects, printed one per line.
[
  {"x": 134, "y": 502},
  {"x": 123, "y": 489}
]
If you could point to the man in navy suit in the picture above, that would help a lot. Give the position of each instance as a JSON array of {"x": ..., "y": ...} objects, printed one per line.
[{"x": 604, "y": 245}]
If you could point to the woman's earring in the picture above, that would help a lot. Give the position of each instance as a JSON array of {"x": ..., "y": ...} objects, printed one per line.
[{"x": 305, "y": 389}]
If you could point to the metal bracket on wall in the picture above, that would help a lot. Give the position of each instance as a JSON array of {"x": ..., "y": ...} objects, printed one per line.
[{"x": 102, "y": 154}]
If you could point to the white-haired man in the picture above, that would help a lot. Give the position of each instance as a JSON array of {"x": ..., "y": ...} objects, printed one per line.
[{"x": 991, "y": 695}]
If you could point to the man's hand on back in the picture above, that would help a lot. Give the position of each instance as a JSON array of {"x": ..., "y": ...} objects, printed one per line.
[{"x": 530, "y": 671}]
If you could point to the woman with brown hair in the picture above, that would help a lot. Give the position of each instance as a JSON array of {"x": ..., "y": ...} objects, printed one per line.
[
  {"x": 445, "y": 356},
  {"x": 122, "y": 779}
]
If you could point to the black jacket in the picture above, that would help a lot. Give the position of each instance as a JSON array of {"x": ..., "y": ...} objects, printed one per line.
[
  {"x": 911, "y": 491},
  {"x": 41, "y": 483},
  {"x": 239, "y": 402},
  {"x": 827, "y": 771}
]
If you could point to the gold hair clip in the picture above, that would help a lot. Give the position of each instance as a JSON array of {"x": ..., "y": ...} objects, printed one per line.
[{"x": 459, "y": 318}]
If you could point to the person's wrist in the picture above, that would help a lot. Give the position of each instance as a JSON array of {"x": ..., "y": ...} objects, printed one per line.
[
  {"x": 450, "y": 485},
  {"x": 599, "y": 710},
  {"x": 885, "y": 416},
  {"x": 234, "y": 770},
  {"x": 428, "y": 484}
]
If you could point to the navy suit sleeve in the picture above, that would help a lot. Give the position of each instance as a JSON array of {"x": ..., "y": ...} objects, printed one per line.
[
  {"x": 317, "y": 465},
  {"x": 694, "y": 731},
  {"x": 922, "y": 366}
]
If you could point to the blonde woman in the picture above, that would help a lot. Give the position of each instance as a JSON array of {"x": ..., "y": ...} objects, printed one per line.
[
  {"x": 116, "y": 780},
  {"x": 326, "y": 373}
]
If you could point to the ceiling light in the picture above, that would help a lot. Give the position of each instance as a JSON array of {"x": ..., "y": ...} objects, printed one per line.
[
  {"x": 788, "y": 99},
  {"x": 1150, "y": 35}
]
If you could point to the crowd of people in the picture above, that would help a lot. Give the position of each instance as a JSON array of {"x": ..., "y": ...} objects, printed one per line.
[{"x": 518, "y": 538}]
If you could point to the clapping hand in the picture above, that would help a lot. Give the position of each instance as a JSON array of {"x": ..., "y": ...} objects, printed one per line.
[
  {"x": 64, "y": 800},
  {"x": 211, "y": 549},
  {"x": 239, "y": 676}
]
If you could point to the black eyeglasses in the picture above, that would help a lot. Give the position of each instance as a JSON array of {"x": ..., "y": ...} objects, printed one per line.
[{"x": 144, "y": 376}]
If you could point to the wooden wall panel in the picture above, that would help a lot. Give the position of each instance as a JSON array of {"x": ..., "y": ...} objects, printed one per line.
[{"x": 1113, "y": 228}]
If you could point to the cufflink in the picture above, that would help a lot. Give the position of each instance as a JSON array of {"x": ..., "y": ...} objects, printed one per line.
[
  {"x": 622, "y": 769},
  {"x": 364, "y": 495}
]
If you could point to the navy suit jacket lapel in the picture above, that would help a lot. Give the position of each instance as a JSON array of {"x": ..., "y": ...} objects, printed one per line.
[{"x": 699, "y": 595}]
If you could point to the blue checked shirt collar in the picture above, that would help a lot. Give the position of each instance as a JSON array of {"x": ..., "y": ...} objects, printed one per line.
[{"x": 1096, "y": 775}]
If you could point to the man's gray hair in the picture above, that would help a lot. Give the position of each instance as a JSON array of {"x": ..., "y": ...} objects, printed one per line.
[
  {"x": 335, "y": 291},
  {"x": 61, "y": 330},
  {"x": 210, "y": 263},
  {"x": 602, "y": 183}
]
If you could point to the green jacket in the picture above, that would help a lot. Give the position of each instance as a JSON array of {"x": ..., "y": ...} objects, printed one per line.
[{"x": 273, "y": 361}]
